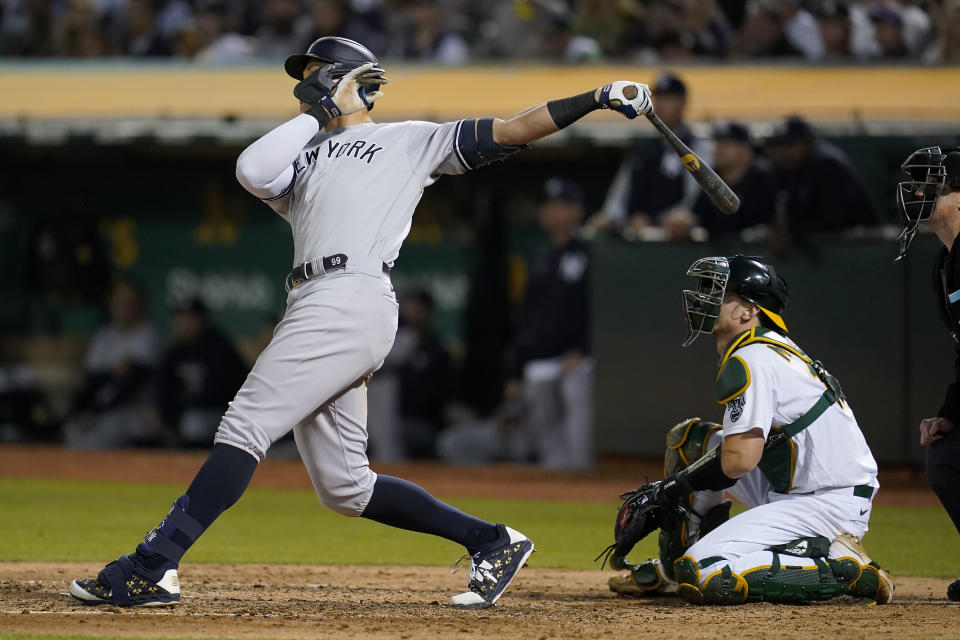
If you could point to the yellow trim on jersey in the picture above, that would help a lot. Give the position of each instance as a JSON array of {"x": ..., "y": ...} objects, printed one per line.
[
  {"x": 743, "y": 388},
  {"x": 751, "y": 337},
  {"x": 775, "y": 317}
]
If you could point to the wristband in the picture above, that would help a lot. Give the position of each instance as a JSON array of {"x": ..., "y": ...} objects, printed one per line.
[{"x": 566, "y": 111}]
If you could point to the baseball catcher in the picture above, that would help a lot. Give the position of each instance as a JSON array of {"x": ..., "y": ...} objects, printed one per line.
[{"x": 789, "y": 449}]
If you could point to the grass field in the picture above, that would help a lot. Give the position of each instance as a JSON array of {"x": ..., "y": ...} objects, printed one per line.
[{"x": 78, "y": 521}]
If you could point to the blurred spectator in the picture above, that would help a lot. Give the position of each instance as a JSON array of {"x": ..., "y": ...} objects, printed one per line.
[
  {"x": 819, "y": 188},
  {"x": 339, "y": 18},
  {"x": 113, "y": 407},
  {"x": 207, "y": 38},
  {"x": 750, "y": 176},
  {"x": 616, "y": 26},
  {"x": 79, "y": 34},
  {"x": 652, "y": 188},
  {"x": 801, "y": 29},
  {"x": 284, "y": 30},
  {"x": 900, "y": 30},
  {"x": 426, "y": 36},
  {"x": 408, "y": 396},
  {"x": 198, "y": 375},
  {"x": 946, "y": 48},
  {"x": 455, "y": 32},
  {"x": 547, "y": 413},
  {"x": 27, "y": 27},
  {"x": 141, "y": 37},
  {"x": 835, "y": 24},
  {"x": 684, "y": 29},
  {"x": 763, "y": 33},
  {"x": 554, "y": 370},
  {"x": 561, "y": 42}
]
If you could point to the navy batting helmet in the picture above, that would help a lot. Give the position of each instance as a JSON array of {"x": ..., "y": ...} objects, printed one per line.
[{"x": 344, "y": 54}]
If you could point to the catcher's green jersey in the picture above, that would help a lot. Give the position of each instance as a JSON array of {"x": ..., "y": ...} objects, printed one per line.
[{"x": 766, "y": 386}]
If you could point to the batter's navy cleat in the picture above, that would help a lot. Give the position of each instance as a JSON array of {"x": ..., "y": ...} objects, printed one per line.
[
  {"x": 874, "y": 581},
  {"x": 493, "y": 569},
  {"x": 122, "y": 584},
  {"x": 147, "y": 578}
]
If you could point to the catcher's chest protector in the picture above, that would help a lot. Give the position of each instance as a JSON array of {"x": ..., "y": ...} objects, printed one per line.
[{"x": 780, "y": 451}]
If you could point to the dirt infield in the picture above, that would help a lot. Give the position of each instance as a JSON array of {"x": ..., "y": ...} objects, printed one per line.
[
  {"x": 344, "y": 603},
  {"x": 281, "y": 601}
]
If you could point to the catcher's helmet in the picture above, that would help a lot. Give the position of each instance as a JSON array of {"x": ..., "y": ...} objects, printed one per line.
[
  {"x": 344, "y": 54},
  {"x": 751, "y": 278},
  {"x": 930, "y": 169}
]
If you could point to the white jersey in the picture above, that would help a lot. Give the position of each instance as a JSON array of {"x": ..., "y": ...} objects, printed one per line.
[
  {"x": 354, "y": 190},
  {"x": 779, "y": 388}
]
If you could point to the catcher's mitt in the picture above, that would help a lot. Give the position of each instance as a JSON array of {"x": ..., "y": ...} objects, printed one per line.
[{"x": 637, "y": 518}]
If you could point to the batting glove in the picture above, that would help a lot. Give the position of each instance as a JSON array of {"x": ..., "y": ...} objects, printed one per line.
[
  {"x": 632, "y": 99},
  {"x": 350, "y": 95}
]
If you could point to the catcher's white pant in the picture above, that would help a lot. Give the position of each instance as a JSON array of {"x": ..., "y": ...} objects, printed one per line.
[
  {"x": 773, "y": 519},
  {"x": 335, "y": 332}
]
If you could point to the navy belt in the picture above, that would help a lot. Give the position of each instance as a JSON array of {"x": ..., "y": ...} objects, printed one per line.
[{"x": 317, "y": 268}]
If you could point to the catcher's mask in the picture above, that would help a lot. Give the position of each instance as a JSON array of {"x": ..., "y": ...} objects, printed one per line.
[
  {"x": 929, "y": 169},
  {"x": 752, "y": 279}
]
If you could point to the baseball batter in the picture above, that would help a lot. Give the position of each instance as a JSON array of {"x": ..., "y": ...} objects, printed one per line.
[
  {"x": 348, "y": 187},
  {"x": 789, "y": 449}
]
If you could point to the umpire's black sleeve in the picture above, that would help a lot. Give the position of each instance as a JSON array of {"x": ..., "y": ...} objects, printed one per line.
[{"x": 951, "y": 402}]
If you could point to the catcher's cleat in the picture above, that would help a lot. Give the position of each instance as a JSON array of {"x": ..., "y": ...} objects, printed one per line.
[
  {"x": 625, "y": 585},
  {"x": 493, "y": 569},
  {"x": 122, "y": 584},
  {"x": 646, "y": 579},
  {"x": 873, "y": 580}
]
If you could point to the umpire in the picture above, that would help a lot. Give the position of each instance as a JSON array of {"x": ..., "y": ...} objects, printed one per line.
[{"x": 931, "y": 196}]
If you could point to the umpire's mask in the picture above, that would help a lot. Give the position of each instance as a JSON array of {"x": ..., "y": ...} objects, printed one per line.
[
  {"x": 702, "y": 306},
  {"x": 929, "y": 169}
]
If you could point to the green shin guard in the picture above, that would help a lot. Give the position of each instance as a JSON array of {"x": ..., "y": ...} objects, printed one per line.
[
  {"x": 722, "y": 587},
  {"x": 802, "y": 585},
  {"x": 778, "y": 582}
]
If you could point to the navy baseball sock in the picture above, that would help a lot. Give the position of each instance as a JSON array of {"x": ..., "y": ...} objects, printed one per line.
[
  {"x": 217, "y": 486},
  {"x": 398, "y": 503},
  {"x": 220, "y": 482}
]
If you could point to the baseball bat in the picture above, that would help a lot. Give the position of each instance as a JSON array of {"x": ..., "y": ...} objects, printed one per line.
[{"x": 719, "y": 191}]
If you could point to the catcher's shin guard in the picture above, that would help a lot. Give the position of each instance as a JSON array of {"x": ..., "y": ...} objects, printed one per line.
[{"x": 721, "y": 586}]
